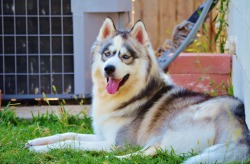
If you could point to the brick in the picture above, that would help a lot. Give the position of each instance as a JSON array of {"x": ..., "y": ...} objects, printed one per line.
[
  {"x": 201, "y": 63},
  {"x": 203, "y": 82}
]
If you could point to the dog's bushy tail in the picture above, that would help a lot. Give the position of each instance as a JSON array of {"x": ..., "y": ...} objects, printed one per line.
[{"x": 223, "y": 153}]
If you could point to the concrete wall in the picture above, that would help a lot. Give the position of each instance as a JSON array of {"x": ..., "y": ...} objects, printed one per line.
[{"x": 239, "y": 26}]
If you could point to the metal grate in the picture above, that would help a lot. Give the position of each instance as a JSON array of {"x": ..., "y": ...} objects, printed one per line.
[{"x": 36, "y": 48}]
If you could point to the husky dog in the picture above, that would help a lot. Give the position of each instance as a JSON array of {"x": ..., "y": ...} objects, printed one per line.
[{"x": 135, "y": 102}]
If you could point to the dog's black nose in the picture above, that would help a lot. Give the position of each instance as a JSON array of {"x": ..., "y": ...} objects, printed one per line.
[{"x": 109, "y": 69}]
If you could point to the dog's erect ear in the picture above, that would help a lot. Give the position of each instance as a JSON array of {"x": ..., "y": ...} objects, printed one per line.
[
  {"x": 108, "y": 29},
  {"x": 138, "y": 31}
]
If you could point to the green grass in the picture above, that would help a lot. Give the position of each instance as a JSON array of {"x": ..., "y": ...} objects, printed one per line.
[{"x": 14, "y": 133}]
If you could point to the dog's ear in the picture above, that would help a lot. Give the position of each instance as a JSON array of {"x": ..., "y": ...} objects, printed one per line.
[
  {"x": 108, "y": 29},
  {"x": 139, "y": 32}
]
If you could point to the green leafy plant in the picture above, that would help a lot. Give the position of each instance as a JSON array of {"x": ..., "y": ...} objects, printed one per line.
[
  {"x": 198, "y": 45},
  {"x": 202, "y": 43},
  {"x": 63, "y": 117},
  {"x": 8, "y": 115},
  {"x": 221, "y": 22},
  {"x": 230, "y": 90}
]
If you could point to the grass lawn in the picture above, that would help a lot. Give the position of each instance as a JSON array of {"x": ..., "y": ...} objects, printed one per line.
[{"x": 14, "y": 133}]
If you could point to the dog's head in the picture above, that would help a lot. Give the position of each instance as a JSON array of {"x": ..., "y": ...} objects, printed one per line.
[{"x": 122, "y": 60}]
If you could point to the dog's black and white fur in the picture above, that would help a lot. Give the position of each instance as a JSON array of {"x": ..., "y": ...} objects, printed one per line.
[{"x": 135, "y": 102}]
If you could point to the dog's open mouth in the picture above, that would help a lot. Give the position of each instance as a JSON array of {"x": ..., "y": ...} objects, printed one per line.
[{"x": 113, "y": 85}]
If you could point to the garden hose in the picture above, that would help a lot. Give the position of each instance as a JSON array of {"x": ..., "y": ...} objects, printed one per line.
[{"x": 195, "y": 20}]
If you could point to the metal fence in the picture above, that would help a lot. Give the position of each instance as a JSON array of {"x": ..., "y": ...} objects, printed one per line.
[{"x": 36, "y": 48}]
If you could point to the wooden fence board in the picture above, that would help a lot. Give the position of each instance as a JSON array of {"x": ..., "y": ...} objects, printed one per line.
[
  {"x": 167, "y": 19},
  {"x": 151, "y": 20},
  {"x": 138, "y": 10},
  {"x": 197, "y": 3},
  {"x": 184, "y": 9},
  {"x": 161, "y": 16}
]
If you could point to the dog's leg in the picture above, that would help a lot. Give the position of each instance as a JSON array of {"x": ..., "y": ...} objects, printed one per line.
[
  {"x": 147, "y": 151},
  {"x": 76, "y": 145},
  {"x": 61, "y": 137}
]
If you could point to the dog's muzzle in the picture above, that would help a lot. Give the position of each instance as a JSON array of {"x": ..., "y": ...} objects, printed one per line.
[{"x": 109, "y": 69}]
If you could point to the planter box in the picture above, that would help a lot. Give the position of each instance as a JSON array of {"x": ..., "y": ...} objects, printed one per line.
[{"x": 202, "y": 72}]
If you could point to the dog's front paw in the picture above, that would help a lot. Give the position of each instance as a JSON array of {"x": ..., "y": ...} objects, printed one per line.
[
  {"x": 37, "y": 142},
  {"x": 128, "y": 156},
  {"x": 31, "y": 143},
  {"x": 38, "y": 149},
  {"x": 27, "y": 145}
]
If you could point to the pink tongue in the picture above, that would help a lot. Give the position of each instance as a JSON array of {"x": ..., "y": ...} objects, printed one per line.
[{"x": 113, "y": 85}]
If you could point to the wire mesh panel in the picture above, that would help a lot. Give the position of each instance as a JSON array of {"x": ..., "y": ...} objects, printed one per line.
[{"x": 36, "y": 48}]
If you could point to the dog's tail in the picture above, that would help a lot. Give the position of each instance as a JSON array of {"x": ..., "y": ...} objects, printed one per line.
[{"x": 223, "y": 153}]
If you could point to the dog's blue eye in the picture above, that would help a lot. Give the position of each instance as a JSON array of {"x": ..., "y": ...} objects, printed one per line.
[
  {"x": 107, "y": 54},
  {"x": 125, "y": 57}
]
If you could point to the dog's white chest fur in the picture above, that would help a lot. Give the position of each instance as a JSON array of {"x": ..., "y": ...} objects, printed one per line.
[{"x": 105, "y": 124}]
